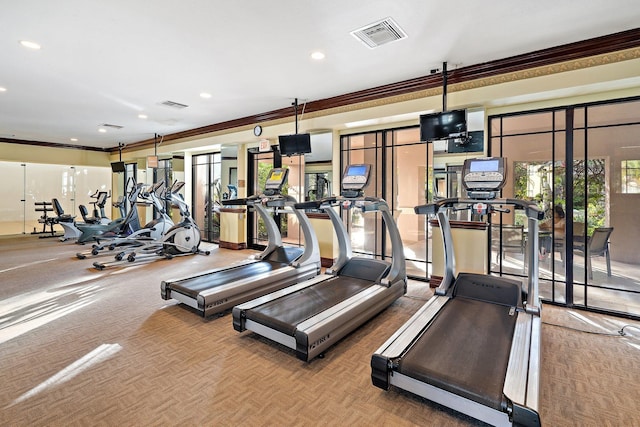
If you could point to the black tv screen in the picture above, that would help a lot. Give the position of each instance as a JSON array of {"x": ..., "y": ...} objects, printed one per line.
[
  {"x": 443, "y": 125},
  {"x": 117, "y": 167},
  {"x": 298, "y": 143}
]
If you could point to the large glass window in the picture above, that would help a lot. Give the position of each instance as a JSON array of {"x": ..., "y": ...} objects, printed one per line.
[
  {"x": 37, "y": 183},
  {"x": 365, "y": 230},
  {"x": 399, "y": 175},
  {"x": 580, "y": 164},
  {"x": 630, "y": 176},
  {"x": 405, "y": 188}
]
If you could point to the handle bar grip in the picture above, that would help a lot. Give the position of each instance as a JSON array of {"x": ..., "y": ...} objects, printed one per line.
[{"x": 315, "y": 204}]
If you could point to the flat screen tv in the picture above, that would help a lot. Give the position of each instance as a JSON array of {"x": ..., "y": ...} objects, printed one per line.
[
  {"x": 117, "y": 167},
  {"x": 298, "y": 143},
  {"x": 443, "y": 125}
]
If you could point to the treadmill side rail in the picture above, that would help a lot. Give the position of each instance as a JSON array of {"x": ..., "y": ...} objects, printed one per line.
[
  {"x": 401, "y": 339},
  {"x": 533, "y": 386},
  {"x": 515, "y": 381},
  {"x": 239, "y": 310},
  {"x": 166, "y": 285},
  {"x": 320, "y": 332},
  {"x": 450, "y": 400},
  {"x": 522, "y": 381},
  {"x": 527, "y": 415},
  {"x": 211, "y": 302}
]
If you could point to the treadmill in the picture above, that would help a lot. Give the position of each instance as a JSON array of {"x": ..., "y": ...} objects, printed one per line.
[
  {"x": 311, "y": 316},
  {"x": 274, "y": 268},
  {"x": 475, "y": 345}
]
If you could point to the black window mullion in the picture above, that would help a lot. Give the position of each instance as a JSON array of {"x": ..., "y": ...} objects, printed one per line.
[{"x": 568, "y": 172}]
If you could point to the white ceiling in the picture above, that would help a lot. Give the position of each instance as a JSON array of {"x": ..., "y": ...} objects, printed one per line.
[{"x": 109, "y": 61}]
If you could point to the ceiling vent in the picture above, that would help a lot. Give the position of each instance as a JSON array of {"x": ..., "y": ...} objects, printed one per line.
[
  {"x": 107, "y": 125},
  {"x": 173, "y": 104},
  {"x": 379, "y": 33}
]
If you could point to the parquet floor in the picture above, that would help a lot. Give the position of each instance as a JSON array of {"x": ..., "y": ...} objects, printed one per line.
[{"x": 82, "y": 347}]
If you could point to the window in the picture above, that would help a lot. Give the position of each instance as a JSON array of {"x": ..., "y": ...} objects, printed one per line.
[{"x": 630, "y": 178}]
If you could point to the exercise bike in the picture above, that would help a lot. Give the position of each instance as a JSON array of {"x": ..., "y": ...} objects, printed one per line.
[
  {"x": 128, "y": 222},
  {"x": 98, "y": 215}
]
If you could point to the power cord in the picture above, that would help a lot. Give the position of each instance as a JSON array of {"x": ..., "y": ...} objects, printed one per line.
[
  {"x": 618, "y": 334},
  {"x": 621, "y": 331}
]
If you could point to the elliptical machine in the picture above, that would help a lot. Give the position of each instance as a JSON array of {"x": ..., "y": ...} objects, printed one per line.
[
  {"x": 180, "y": 239},
  {"x": 127, "y": 232}
]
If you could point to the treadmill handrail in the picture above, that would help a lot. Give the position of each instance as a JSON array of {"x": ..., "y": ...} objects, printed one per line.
[
  {"x": 531, "y": 208},
  {"x": 533, "y": 213},
  {"x": 242, "y": 201},
  {"x": 398, "y": 271},
  {"x": 316, "y": 204}
]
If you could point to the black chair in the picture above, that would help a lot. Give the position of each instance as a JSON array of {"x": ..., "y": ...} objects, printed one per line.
[
  {"x": 579, "y": 233},
  {"x": 513, "y": 240},
  {"x": 596, "y": 245}
]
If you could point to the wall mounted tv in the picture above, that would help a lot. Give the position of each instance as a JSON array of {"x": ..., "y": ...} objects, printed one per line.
[
  {"x": 448, "y": 124},
  {"x": 298, "y": 143},
  {"x": 117, "y": 167}
]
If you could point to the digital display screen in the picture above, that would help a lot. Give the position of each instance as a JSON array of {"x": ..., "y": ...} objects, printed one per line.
[
  {"x": 299, "y": 143},
  {"x": 442, "y": 125},
  {"x": 117, "y": 167},
  {"x": 275, "y": 177},
  {"x": 484, "y": 166},
  {"x": 357, "y": 170}
]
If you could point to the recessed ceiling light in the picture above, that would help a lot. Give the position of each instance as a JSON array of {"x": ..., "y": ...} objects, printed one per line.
[
  {"x": 317, "y": 55},
  {"x": 3, "y": 89},
  {"x": 102, "y": 130},
  {"x": 30, "y": 45},
  {"x": 205, "y": 95},
  {"x": 73, "y": 139},
  {"x": 142, "y": 116}
]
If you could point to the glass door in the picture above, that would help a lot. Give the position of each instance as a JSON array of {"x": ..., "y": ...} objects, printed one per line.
[
  {"x": 581, "y": 164},
  {"x": 207, "y": 193},
  {"x": 13, "y": 209},
  {"x": 260, "y": 163}
]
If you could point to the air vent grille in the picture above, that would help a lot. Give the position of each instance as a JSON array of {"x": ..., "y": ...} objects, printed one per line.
[
  {"x": 173, "y": 104},
  {"x": 108, "y": 125},
  {"x": 379, "y": 33}
]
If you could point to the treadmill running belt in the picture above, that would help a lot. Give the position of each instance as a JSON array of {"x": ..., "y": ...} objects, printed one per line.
[
  {"x": 192, "y": 287},
  {"x": 286, "y": 313},
  {"x": 465, "y": 351}
]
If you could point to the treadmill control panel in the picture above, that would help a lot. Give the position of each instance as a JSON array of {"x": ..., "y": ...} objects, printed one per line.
[
  {"x": 356, "y": 177},
  {"x": 482, "y": 178},
  {"x": 275, "y": 180}
]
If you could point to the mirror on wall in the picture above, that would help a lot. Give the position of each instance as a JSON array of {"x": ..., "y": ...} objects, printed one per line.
[
  {"x": 229, "y": 172},
  {"x": 318, "y": 170}
]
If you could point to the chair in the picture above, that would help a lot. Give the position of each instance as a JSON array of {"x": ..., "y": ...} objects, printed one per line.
[
  {"x": 596, "y": 245},
  {"x": 579, "y": 234},
  {"x": 512, "y": 240}
]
